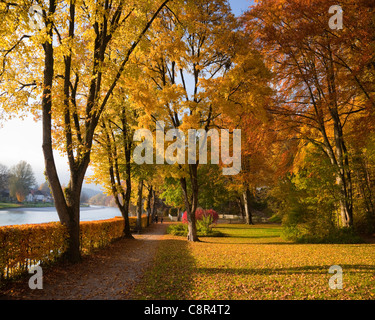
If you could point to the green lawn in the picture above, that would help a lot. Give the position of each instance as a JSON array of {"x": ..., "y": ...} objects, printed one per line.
[
  {"x": 253, "y": 262},
  {"x": 5, "y": 205}
]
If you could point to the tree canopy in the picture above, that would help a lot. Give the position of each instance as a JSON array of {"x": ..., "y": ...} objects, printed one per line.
[{"x": 298, "y": 94}]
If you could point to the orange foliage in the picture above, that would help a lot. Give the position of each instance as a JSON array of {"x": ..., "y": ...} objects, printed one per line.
[{"x": 22, "y": 246}]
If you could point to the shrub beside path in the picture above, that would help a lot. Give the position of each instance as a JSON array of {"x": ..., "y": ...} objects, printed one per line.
[{"x": 108, "y": 274}]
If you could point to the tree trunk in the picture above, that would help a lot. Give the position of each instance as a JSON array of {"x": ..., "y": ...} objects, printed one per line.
[
  {"x": 246, "y": 200},
  {"x": 127, "y": 232},
  {"x": 191, "y": 207},
  {"x": 346, "y": 207},
  {"x": 73, "y": 254},
  {"x": 241, "y": 208},
  {"x": 153, "y": 205},
  {"x": 67, "y": 207},
  {"x": 192, "y": 234},
  {"x": 343, "y": 175},
  {"x": 149, "y": 197},
  {"x": 139, "y": 206},
  {"x": 114, "y": 173},
  {"x": 127, "y": 145}
]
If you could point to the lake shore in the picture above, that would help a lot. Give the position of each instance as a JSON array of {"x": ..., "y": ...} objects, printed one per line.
[
  {"x": 33, "y": 215},
  {"x": 10, "y": 205}
]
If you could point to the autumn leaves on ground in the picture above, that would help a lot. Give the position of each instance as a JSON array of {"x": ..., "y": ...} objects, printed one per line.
[
  {"x": 248, "y": 262},
  {"x": 253, "y": 262}
]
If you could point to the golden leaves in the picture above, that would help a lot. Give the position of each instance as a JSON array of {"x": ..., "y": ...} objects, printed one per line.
[{"x": 253, "y": 262}]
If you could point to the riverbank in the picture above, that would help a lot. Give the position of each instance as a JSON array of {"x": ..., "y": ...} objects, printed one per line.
[{"x": 9, "y": 205}]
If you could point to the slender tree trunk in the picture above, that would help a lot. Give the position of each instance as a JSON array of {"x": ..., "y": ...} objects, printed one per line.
[
  {"x": 179, "y": 214},
  {"x": 246, "y": 199},
  {"x": 153, "y": 205},
  {"x": 127, "y": 231},
  {"x": 139, "y": 206},
  {"x": 149, "y": 197},
  {"x": 114, "y": 173},
  {"x": 194, "y": 205},
  {"x": 127, "y": 145},
  {"x": 191, "y": 207},
  {"x": 241, "y": 208}
]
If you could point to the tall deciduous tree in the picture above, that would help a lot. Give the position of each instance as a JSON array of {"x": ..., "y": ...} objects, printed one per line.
[
  {"x": 86, "y": 46},
  {"x": 111, "y": 160},
  {"x": 187, "y": 52},
  {"x": 318, "y": 92}
]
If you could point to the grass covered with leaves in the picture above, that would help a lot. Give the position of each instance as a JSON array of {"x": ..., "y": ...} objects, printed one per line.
[{"x": 254, "y": 262}]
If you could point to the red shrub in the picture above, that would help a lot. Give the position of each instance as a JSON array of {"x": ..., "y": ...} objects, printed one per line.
[{"x": 200, "y": 213}]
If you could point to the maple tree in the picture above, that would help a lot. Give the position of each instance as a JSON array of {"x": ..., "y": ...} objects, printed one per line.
[
  {"x": 187, "y": 50},
  {"x": 243, "y": 96},
  {"x": 318, "y": 93},
  {"x": 80, "y": 54},
  {"x": 111, "y": 160}
]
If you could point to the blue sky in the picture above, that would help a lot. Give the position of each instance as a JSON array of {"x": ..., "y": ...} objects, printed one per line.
[
  {"x": 22, "y": 139},
  {"x": 240, "y": 6}
]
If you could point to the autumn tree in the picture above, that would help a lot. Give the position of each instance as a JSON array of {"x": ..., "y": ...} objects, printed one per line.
[
  {"x": 111, "y": 160},
  {"x": 242, "y": 96},
  {"x": 74, "y": 62},
  {"x": 187, "y": 51},
  {"x": 318, "y": 93}
]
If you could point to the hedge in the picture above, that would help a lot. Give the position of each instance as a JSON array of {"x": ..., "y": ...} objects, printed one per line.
[{"x": 22, "y": 246}]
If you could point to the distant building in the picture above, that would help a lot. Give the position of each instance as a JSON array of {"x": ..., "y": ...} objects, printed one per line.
[{"x": 38, "y": 196}]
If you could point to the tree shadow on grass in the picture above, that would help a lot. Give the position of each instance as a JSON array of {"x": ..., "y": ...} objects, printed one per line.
[
  {"x": 251, "y": 237},
  {"x": 291, "y": 270},
  {"x": 249, "y": 227}
]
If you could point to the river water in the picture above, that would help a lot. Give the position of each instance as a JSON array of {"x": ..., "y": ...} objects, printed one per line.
[{"x": 48, "y": 214}]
